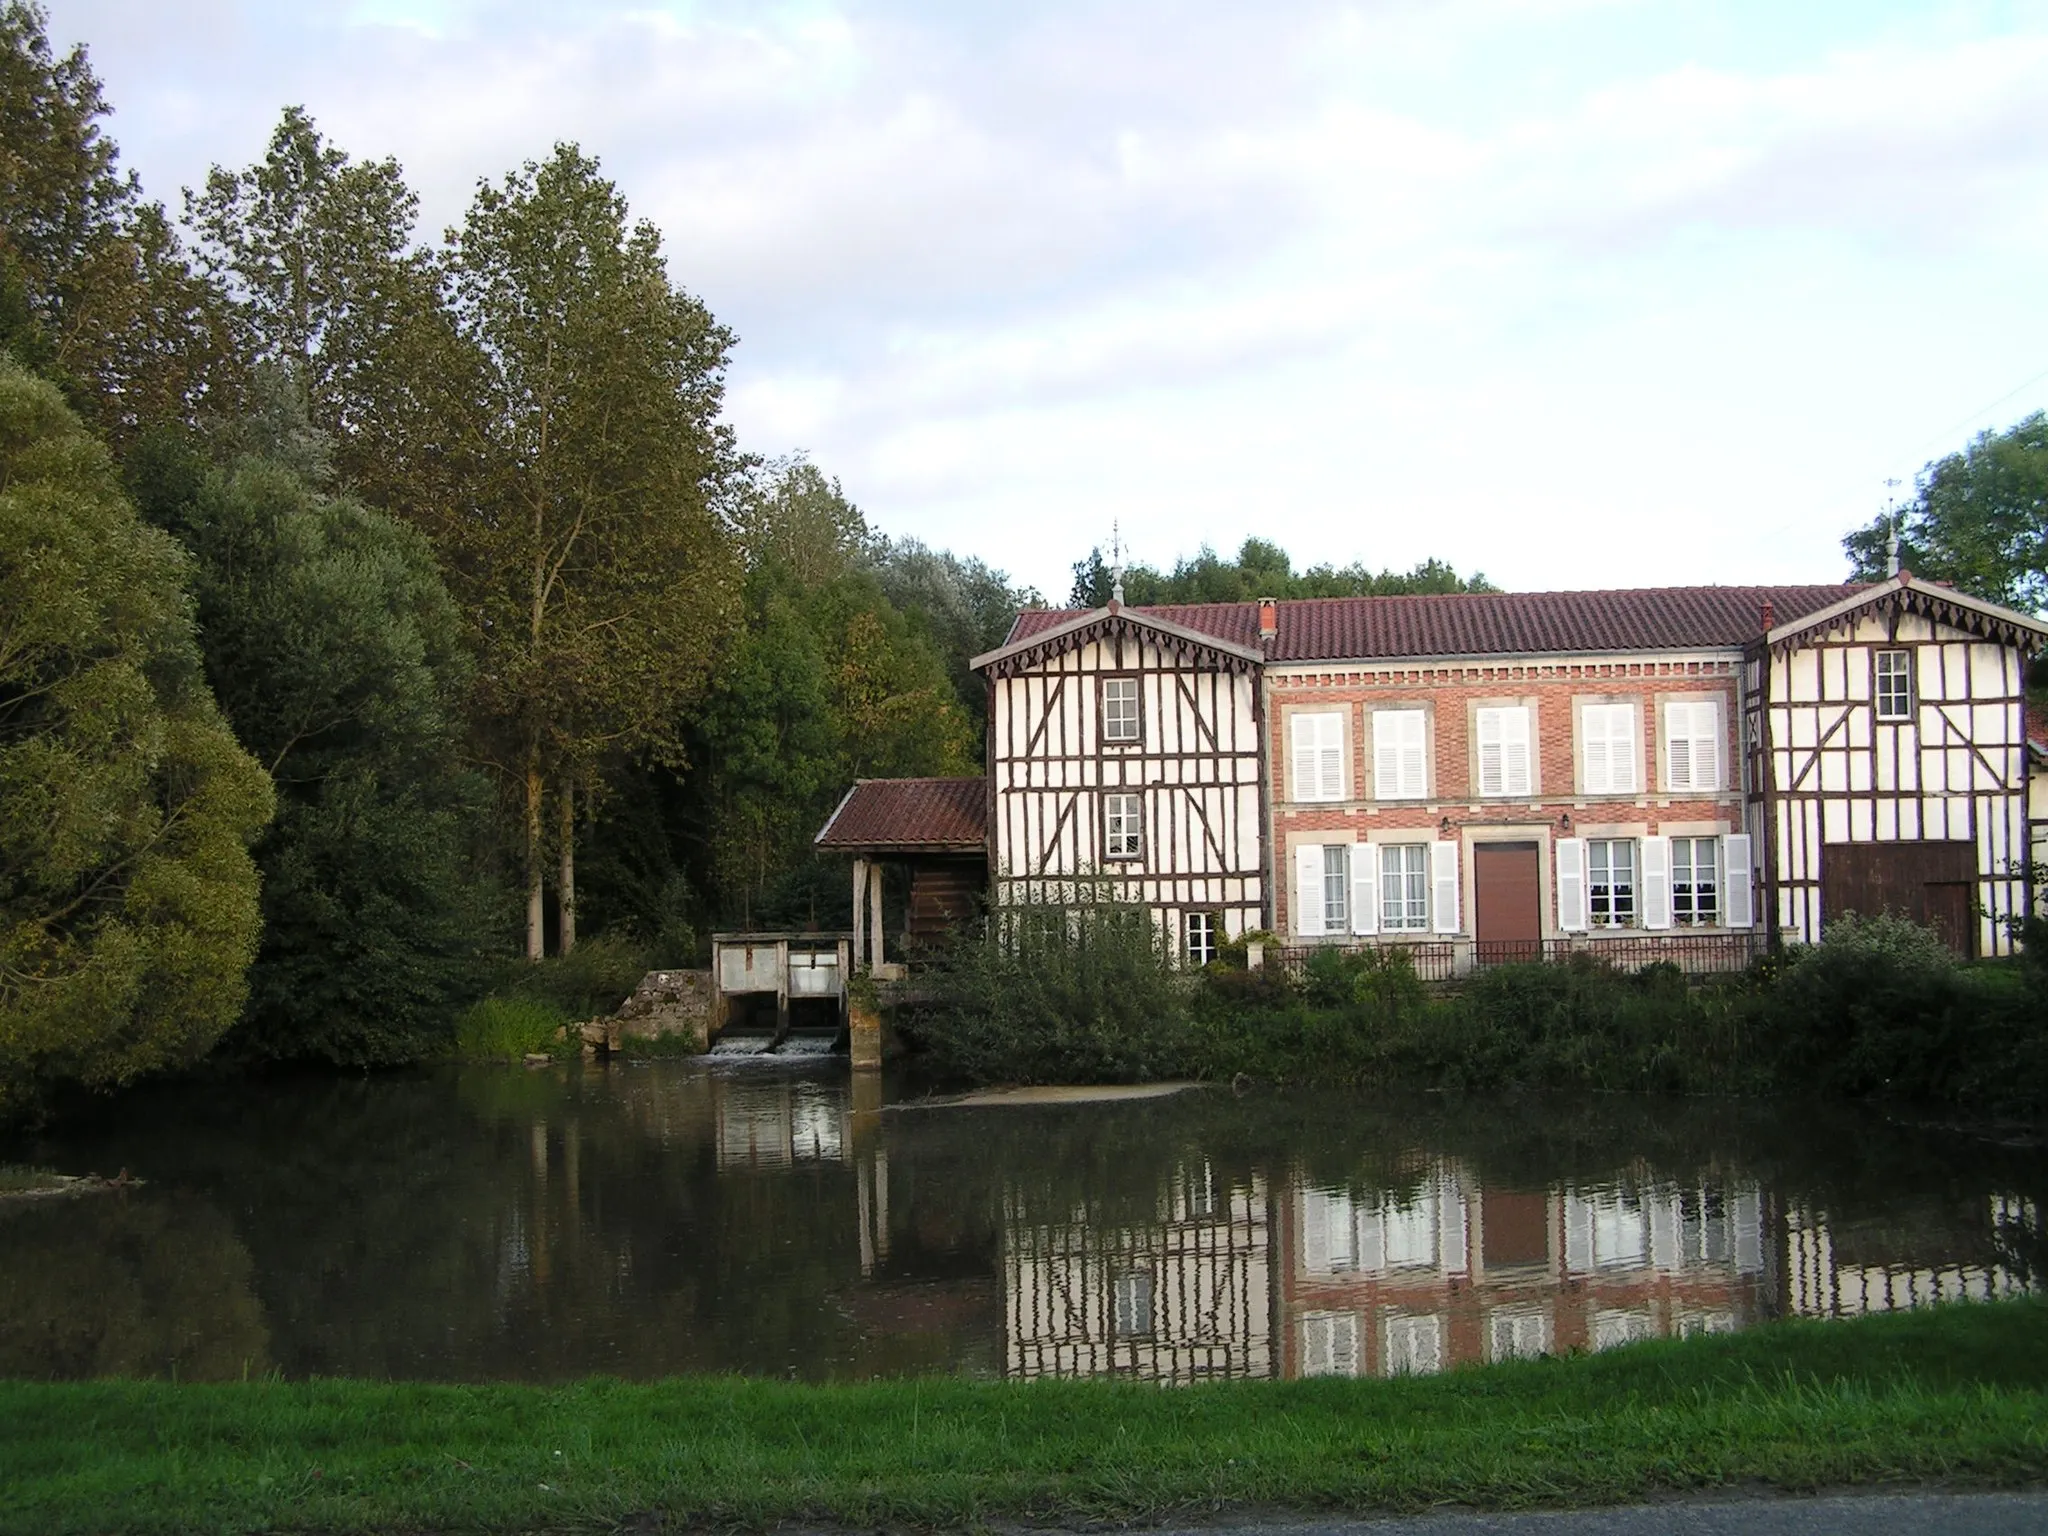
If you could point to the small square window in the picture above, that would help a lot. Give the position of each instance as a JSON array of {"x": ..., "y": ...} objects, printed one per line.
[
  {"x": 1894, "y": 685},
  {"x": 1201, "y": 935},
  {"x": 1123, "y": 835},
  {"x": 1120, "y": 710}
]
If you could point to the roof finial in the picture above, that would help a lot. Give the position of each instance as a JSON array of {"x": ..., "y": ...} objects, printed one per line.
[
  {"x": 1891, "y": 522},
  {"x": 1116, "y": 564}
]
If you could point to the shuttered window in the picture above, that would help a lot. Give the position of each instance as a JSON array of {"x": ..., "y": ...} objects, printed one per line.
[
  {"x": 1504, "y": 751},
  {"x": 1692, "y": 747},
  {"x": 1404, "y": 887},
  {"x": 1317, "y": 749},
  {"x": 1695, "y": 882},
  {"x": 1607, "y": 748},
  {"x": 1400, "y": 754}
]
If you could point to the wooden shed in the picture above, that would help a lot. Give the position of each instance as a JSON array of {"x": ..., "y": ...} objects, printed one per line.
[{"x": 938, "y": 829}]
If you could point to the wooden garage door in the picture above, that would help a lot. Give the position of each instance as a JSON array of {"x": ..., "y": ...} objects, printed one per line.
[
  {"x": 1507, "y": 906},
  {"x": 1931, "y": 883}
]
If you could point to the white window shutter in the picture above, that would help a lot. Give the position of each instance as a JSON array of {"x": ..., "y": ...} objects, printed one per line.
[
  {"x": 1596, "y": 751},
  {"x": 1302, "y": 755},
  {"x": 1571, "y": 884},
  {"x": 1656, "y": 882},
  {"x": 1415, "y": 754},
  {"x": 1489, "y": 752},
  {"x": 1308, "y": 890},
  {"x": 1365, "y": 888},
  {"x": 1736, "y": 882},
  {"x": 1515, "y": 777},
  {"x": 1386, "y": 755},
  {"x": 1443, "y": 879},
  {"x": 1622, "y": 755},
  {"x": 1315, "y": 1232},
  {"x": 1330, "y": 758},
  {"x": 1706, "y": 747}
]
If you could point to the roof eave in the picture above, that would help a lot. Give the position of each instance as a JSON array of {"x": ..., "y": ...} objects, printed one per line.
[
  {"x": 1932, "y": 595},
  {"x": 1143, "y": 621}
]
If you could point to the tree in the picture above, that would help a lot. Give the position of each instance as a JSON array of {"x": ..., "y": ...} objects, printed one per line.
[
  {"x": 589, "y": 552},
  {"x": 336, "y": 654},
  {"x": 128, "y": 900},
  {"x": 1978, "y": 520},
  {"x": 95, "y": 291},
  {"x": 964, "y": 606},
  {"x": 1262, "y": 569}
]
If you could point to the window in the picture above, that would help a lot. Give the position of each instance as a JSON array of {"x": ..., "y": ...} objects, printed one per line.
[
  {"x": 1132, "y": 1301},
  {"x": 1611, "y": 882},
  {"x": 1329, "y": 1344},
  {"x": 1692, "y": 746},
  {"x": 1122, "y": 827},
  {"x": 1607, "y": 748},
  {"x": 1317, "y": 753},
  {"x": 1519, "y": 1335},
  {"x": 1336, "y": 887},
  {"x": 1201, "y": 935},
  {"x": 1504, "y": 751},
  {"x": 1404, "y": 887},
  {"x": 1400, "y": 754},
  {"x": 1414, "y": 1345},
  {"x": 1120, "y": 710},
  {"x": 1695, "y": 882},
  {"x": 1894, "y": 685}
]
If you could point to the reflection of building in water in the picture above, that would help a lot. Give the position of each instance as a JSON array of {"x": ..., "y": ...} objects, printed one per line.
[
  {"x": 1907, "y": 1259},
  {"x": 775, "y": 1123},
  {"x": 1444, "y": 1272},
  {"x": 1183, "y": 1297}
]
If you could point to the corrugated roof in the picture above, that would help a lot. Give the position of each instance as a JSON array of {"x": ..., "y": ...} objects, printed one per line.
[
  {"x": 909, "y": 815},
  {"x": 1491, "y": 623}
]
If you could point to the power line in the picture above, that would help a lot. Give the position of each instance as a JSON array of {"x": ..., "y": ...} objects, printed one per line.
[{"x": 1943, "y": 434}]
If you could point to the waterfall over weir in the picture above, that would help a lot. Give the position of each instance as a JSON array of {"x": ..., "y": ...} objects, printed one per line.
[{"x": 819, "y": 1044}]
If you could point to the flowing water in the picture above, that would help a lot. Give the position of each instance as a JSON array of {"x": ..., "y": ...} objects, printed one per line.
[{"x": 776, "y": 1217}]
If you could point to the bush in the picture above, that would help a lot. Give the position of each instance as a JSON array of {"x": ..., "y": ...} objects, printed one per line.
[
  {"x": 591, "y": 981},
  {"x": 507, "y": 1028}
]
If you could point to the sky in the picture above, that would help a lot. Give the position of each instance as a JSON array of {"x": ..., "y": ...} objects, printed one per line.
[{"x": 1576, "y": 293}]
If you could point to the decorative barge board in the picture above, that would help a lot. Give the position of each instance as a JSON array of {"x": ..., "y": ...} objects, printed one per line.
[
  {"x": 1124, "y": 765},
  {"x": 1887, "y": 747}
]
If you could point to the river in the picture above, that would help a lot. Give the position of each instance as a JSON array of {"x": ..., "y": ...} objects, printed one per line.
[{"x": 639, "y": 1220}]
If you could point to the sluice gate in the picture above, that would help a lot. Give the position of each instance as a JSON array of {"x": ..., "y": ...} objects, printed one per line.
[{"x": 780, "y": 994}]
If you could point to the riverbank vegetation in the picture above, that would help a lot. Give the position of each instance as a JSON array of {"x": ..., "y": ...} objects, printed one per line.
[
  {"x": 1952, "y": 1394},
  {"x": 1880, "y": 1008}
]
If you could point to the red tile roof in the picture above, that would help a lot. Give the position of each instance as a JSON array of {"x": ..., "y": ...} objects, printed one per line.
[
  {"x": 1491, "y": 623},
  {"x": 909, "y": 816}
]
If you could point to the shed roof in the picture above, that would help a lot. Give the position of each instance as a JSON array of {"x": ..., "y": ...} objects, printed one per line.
[
  {"x": 1488, "y": 623},
  {"x": 909, "y": 816}
]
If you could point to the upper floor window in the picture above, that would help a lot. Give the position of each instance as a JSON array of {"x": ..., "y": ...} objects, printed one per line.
[
  {"x": 1607, "y": 748},
  {"x": 1122, "y": 827},
  {"x": 1504, "y": 766},
  {"x": 1894, "y": 685},
  {"x": 1692, "y": 746},
  {"x": 1316, "y": 753},
  {"x": 1120, "y": 710},
  {"x": 1132, "y": 1305},
  {"x": 1400, "y": 754}
]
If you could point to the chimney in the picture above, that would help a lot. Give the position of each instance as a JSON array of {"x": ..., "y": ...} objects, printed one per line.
[
  {"x": 1269, "y": 618},
  {"x": 1770, "y": 617}
]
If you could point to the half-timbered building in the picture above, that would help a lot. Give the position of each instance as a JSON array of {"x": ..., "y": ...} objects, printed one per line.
[{"x": 1124, "y": 763}]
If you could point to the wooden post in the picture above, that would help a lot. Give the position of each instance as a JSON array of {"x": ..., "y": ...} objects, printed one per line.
[
  {"x": 860, "y": 914},
  {"x": 781, "y": 990},
  {"x": 875, "y": 917}
]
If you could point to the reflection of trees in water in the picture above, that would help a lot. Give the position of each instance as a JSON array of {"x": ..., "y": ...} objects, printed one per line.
[{"x": 127, "y": 1285}]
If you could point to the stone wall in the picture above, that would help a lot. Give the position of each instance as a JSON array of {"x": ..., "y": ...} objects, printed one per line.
[{"x": 665, "y": 1003}]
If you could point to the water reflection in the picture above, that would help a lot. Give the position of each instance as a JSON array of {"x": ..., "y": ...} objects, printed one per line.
[{"x": 642, "y": 1221}]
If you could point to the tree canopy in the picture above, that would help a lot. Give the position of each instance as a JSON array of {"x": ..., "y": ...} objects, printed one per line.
[
  {"x": 1262, "y": 569},
  {"x": 1978, "y": 520},
  {"x": 128, "y": 899}
]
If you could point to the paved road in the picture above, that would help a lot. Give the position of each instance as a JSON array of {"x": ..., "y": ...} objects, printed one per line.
[{"x": 1949, "y": 1514}]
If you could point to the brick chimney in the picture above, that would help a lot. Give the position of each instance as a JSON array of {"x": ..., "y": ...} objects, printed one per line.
[
  {"x": 1770, "y": 617},
  {"x": 1269, "y": 618}
]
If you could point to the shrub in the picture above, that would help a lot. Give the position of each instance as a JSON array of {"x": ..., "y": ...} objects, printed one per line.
[
  {"x": 508, "y": 1028},
  {"x": 590, "y": 981}
]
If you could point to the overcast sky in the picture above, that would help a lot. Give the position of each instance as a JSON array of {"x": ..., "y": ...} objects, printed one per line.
[{"x": 1573, "y": 293}]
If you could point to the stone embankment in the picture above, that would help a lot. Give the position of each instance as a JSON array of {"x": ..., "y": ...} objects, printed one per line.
[{"x": 665, "y": 1003}]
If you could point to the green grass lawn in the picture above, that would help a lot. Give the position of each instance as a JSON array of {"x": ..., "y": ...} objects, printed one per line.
[{"x": 1958, "y": 1393}]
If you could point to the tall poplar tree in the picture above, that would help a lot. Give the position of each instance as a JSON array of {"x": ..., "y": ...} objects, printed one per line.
[{"x": 591, "y": 552}]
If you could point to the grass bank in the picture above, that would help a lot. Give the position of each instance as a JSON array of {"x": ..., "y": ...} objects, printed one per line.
[{"x": 1957, "y": 1393}]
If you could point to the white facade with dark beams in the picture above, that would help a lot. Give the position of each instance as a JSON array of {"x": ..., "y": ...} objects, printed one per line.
[
  {"x": 1124, "y": 762},
  {"x": 1887, "y": 747}
]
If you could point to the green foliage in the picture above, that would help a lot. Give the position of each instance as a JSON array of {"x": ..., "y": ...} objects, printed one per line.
[
  {"x": 128, "y": 901},
  {"x": 336, "y": 654},
  {"x": 589, "y": 982},
  {"x": 1049, "y": 994},
  {"x": 507, "y": 1028},
  {"x": 1978, "y": 520},
  {"x": 1262, "y": 569}
]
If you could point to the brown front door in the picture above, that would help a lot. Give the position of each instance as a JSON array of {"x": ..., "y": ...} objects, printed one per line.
[
  {"x": 1507, "y": 903},
  {"x": 1930, "y": 882}
]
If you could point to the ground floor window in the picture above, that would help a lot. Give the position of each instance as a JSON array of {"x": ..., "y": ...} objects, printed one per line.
[
  {"x": 1611, "y": 882},
  {"x": 1336, "y": 888},
  {"x": 1201, "y": 936},
  {"x": 1132, "y": 1305},
  {"x": 1695, "y": 881},
  {"x": 1121, "y": 827},
  {"x": 1404, "y": 887}
]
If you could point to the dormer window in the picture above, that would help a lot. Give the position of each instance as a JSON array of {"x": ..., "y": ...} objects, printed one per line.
[{"x": 1120, "y": 711}]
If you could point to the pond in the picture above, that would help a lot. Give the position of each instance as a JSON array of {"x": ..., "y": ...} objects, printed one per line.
[{"x": 639, "y": 1220}]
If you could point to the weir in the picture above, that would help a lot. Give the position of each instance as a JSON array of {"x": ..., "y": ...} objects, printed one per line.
[{"x": 780, "y": 994}]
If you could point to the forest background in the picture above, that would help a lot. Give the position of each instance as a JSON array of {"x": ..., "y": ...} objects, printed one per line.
[{"x": 377, "y": 614}]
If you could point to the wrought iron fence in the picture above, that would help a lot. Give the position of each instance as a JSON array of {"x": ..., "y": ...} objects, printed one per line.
[
  {"x": 1433, "y": 961},
  {"x": 1697, "y": 954}
]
